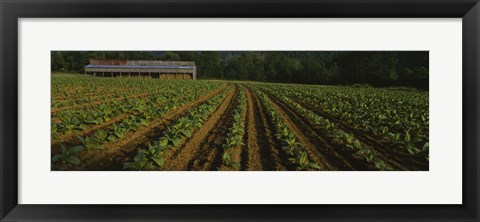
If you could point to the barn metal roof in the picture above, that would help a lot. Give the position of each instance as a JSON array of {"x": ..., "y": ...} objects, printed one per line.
[{"x": 139, "y": 67}]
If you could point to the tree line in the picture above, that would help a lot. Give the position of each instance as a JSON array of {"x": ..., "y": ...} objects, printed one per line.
[{"x": 376, "y": 68}]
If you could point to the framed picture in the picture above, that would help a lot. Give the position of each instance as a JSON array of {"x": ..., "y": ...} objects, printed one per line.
[{"x": 227, "y": 110}]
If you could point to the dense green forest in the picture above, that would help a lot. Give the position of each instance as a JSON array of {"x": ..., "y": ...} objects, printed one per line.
[{"x": 376, "y": 68}]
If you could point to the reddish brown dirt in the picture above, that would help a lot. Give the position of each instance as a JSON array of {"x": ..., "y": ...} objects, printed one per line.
[
  {"x": 73, "y": 89},
  {"x": 337, "y": 155},
  {"x": 91, "y": 104},
  {"x": 271, "y": 155},
  {"x": 200, "y": 151},
  {"x": 304, "y": 135},
  {"x": 237, "y": 153},
  {"x": 113, "y": 153},
  {"x": 209, "y": 156},
  {"x": 262, "y": 150},
  {"x": 72, "y": 137},
  {"x": 94, "y": 95},
  {"x": 397, "y": 160},
  {"x": 251, "y": 159}
]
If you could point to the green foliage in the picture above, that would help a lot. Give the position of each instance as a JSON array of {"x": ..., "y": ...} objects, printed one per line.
[
  {"x": 235, "y": 135},
  {"x": 227, "y": 161},
  {"x": 401, "y": 118},
  {"x": 68, "y": 155},
  {"x": 90, "y": 142},
  {"x": 174, "y": 136},
  {"x": 291, "y": 146},
  {"x": 376, "y": 68},
  {"x": 147, "y": 159},
  {"x": 130, "y": 113}
]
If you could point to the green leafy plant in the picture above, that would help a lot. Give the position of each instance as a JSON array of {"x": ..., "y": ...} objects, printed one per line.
[
  {"x": 89, "y": 143},
  {"x": 174, "y": 136},
  {"x": 227, "y": 161},
  {"x": 120, "y": 130},
  {"x": 147, "y": 159},
  {"x": 68, "y": 155}
]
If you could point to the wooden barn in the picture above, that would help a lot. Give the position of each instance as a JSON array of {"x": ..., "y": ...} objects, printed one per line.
[{"x": 141, "y": 69}]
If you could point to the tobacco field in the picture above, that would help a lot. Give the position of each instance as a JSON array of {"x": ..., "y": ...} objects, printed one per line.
[{"x": 207, "y": 125}]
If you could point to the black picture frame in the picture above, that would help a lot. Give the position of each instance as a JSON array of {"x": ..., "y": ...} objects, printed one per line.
[{"x": 12, "y": 10}]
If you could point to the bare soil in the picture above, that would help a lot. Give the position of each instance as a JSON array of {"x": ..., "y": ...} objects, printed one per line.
[
  {"x": 96, "y": 94},
  {"x": 337, "y": 155},
  {"x": 209, "y": 157},
  {"x": 270, "y": 149},
  {"x": 115, "y": 153},
  {"x": 251, "y": 158},
  {"x": 238, "y": 152},
  {"x": 397, "y": 160},
  {"x": 202, "y": 150},
  {"x": 262, "y": 151}
]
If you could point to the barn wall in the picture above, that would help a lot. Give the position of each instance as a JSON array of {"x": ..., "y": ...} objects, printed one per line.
[
  {"x": 138, "y": 70},
  {"x": 159, "y": 63},
  {"x": 183, "y": 70}
]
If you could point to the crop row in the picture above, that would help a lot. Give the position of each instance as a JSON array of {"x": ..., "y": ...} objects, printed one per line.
[
  {"x": 70, "y": 91},
  {"x": 398, "y": 117},
  {"x": 137, "y": 117},
  {"x": 290, "y": 143},
  {"x": 174, "y": 136},
  {"x": 235, "y": 135},
  {"x": 85, "y": 100},
  {"x": 77, "y": 120},
  {"x": 361, "y": 150}
]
